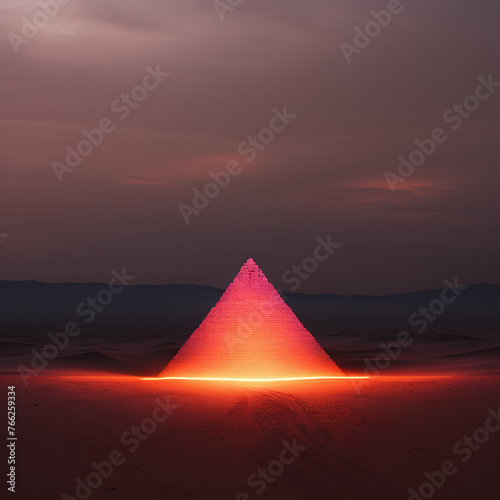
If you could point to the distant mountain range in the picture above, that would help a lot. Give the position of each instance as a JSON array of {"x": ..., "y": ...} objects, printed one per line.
[
  {"x": 32, "y": 301},
  {"x": 141, "y": 329}
]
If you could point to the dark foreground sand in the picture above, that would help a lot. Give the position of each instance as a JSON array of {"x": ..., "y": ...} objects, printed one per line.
[{"x": 371, "y": 445}]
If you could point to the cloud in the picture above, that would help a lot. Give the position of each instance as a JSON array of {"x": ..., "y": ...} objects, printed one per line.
[{"x": 324, "y": 174}]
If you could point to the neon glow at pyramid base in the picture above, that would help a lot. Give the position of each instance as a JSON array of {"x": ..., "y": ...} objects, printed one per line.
[
  {"x": 251, "y": 335},
  {"x": 222, "y": 379}
]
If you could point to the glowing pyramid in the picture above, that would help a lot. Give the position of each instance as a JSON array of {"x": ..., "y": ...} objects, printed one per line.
[{"x": 251, "y": 334}]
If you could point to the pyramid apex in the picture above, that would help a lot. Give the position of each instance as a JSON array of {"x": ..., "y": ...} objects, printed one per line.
[
  {"x": 250, "y": 271},
  {"x": 250, "y": 264}
]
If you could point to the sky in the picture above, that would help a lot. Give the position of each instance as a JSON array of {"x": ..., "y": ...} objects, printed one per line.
[{"x": 179, "y": 86}]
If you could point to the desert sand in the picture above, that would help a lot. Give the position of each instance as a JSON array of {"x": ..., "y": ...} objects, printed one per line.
[{"x": 370, "y": 443}]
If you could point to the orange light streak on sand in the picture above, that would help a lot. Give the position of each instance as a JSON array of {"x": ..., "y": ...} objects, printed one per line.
[
  {"x": 342, "y": 377},
  {"x": 378, "y": 379}
]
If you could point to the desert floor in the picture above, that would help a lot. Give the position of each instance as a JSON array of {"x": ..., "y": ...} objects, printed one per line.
[{"x": 355, "y": 440}]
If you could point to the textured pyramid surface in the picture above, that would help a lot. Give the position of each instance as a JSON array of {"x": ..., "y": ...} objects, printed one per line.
[{"x": 251, "y": 333}]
